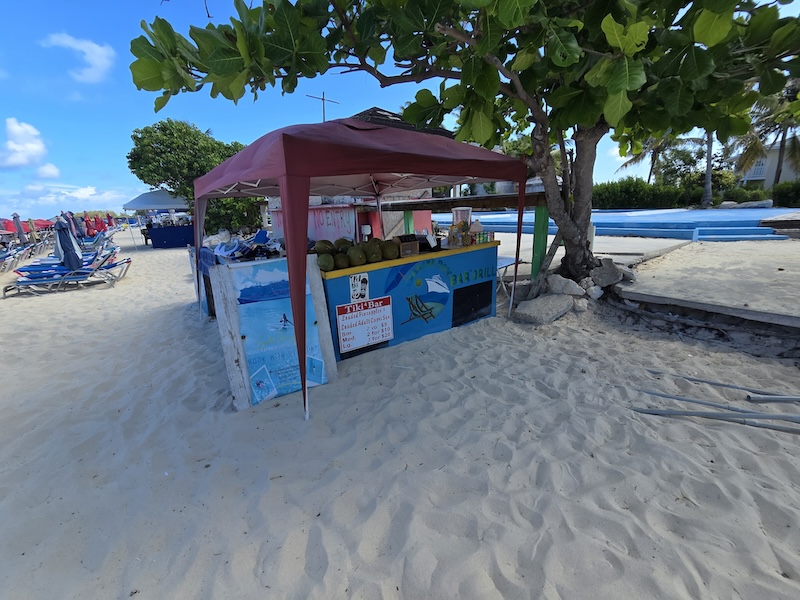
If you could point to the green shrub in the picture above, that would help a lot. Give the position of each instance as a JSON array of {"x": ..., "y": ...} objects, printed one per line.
[
  {"x": 632, "y": 192},
  {"x": 740, "y": 194},
  {"x": 786, "y": 194}
]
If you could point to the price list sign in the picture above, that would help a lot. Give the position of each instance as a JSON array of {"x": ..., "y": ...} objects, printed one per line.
[{"x": 364, "y": 323}]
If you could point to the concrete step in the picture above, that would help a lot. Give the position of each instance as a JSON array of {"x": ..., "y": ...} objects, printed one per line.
[{"x": 740, "y": 238}]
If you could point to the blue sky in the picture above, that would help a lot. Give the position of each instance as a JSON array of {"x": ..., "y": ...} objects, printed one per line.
[{"x": 69, "y": 106}]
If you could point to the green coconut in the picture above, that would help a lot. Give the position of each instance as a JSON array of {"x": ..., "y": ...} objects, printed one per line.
[
  {"x": 374, "y": 253},
  {"x": 324, "y": 247},
  {"x": 390, "y": 250},
  {"x": 341, "y": 261},
  {"x": 357, "y": 256},
  {"x": 325, "y": 262},
  {"x": 342, "y": 244}
]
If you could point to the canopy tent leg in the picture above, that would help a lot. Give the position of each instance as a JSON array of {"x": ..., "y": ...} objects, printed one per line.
[{"x": 135, "y": 247}]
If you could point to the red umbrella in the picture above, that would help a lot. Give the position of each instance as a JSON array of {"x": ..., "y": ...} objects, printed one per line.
[
  {"x": 87, "y": 223},
  {"x": 98, "y": 223},
  {"x": 6, "y": 232},
  {"x": 110, "y": 220},
  {"x": 43, "y": 223},
  {"x": 9, "y": 225}
]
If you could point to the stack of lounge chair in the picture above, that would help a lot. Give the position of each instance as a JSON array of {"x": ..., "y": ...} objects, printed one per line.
[{"x": 49, "y": 275}]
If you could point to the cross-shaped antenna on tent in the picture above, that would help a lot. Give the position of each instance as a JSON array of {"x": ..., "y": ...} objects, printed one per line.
[{"x": 324, "y": 100}]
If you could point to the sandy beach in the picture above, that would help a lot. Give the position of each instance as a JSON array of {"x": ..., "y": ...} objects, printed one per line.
[{"x": 496, "y": 460}]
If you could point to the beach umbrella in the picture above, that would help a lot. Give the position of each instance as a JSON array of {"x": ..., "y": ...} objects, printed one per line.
[
  {"x": 89, "y": 225},
  {"x": 43, "y": 223},
  {"x": 67, "y": 248},
  {"x": 98, "y": 223},
  {"x": 110, "y": 220},
  {"x": 32, "y": 230},
  {"x": 23, "y": 239}
]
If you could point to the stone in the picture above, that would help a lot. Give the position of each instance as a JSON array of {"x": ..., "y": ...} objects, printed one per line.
[
  {"x": 606, "y": 274},
  {"x": 595, "y": 292},
  {"x": 586, "y": 283},
  {"x": 751, "y": 204},
  {"x": 544, "y": 309},
  {"x": 561, "y": 285},
  {"x": 628, "y": 274},
  {"x": 580, "y": 305}
]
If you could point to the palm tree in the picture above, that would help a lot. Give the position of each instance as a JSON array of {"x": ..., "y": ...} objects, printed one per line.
[
  {"x": 773, "y": 122},
  {"x": 654, "y": 148}
]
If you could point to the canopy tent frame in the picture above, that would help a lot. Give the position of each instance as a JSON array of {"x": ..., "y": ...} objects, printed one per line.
[{"x": 345, "y": 157}]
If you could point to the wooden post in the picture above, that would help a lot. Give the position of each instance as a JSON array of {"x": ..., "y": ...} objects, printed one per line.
[{"x": 540, "y": 225}]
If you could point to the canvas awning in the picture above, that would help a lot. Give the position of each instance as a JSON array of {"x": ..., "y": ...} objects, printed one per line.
[
  {"x": 156, "y": 200},
  {"x": 344, "y": 157}
]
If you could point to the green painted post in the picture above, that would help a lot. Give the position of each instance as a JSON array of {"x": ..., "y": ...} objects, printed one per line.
[
  {"x": 408, "y": 221},
  {"x": 540, "y": 223}
]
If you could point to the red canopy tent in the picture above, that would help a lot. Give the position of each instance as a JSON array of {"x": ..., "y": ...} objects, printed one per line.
[{"x": 344, "y": 157}]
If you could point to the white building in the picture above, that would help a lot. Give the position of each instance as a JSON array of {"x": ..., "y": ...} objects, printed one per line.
[{"x": 762, "y": 173}]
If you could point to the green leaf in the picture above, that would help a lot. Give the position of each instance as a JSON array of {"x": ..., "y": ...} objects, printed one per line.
[
  {"x": 600, "y": 74},
  {"x": 147, "y": 74},
  {"x": 491, "y": 34},
  {"x": 635, "y": 38},
  {"x": 585, "y": 109},
  {"x": 615, "y": 33},
  {"x": 718, "y": 6},
  {"x": 453, "y": 97},
  {"x": 771, "y": 82},
  {"x": 563, "y": 95},
  {"x": 616, "y": 107},
  {"x": 241, "y": 42},
  {"x": 487, "y": 83},
  {"x": 142, "y": 48},
  {"x": 696, "y": 63},
  {"x": 512, "y": 12},
  {"x": 425, "y": 98},
  {"x": 161, "y": 101},
  {"x": 762, "y": 23},
  {"x": 524, "y": 59},
  {"x": 474, "y": 4},
  {"x": 678, "y": 98},
  {"x": 482, "y": 127},
  {"x": 563, "y": 48},
  {"x": 786, "y": 38},
  {"x": 711, "y": 28},
  {"x": 628, "y": 75},
  {"x": 164, "y": 37}
]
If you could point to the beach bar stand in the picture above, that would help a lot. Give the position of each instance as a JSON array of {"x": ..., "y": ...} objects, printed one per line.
[{"x": 344, "y": 157}]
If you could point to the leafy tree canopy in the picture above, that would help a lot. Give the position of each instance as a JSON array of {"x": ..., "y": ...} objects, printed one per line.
[
  {"x": 565, "y": 67},
  {"x": 172, "y": 154}
]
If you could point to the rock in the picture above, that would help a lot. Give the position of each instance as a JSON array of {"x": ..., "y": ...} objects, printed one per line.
[
  {"x": 606, "y": 274},
  {"x": 595, "y": 292},
  {"x": 752, "y": 204},
  {"x": 580, "y": 305},
  {"x": 586, "y": 283},
  {"x": 544, "y": 309},
  {"x": 628, "y": 274},
  {"x": 561, "y": 285}
]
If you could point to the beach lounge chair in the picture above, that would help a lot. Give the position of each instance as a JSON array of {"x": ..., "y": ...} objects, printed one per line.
[{"x": 56, "y": 282}]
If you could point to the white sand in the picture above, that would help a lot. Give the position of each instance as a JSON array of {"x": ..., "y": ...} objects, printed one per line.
[{"x": 491, "y": 461}]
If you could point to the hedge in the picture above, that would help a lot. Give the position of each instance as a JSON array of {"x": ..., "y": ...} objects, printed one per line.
[{"x": 786, "y": 194}]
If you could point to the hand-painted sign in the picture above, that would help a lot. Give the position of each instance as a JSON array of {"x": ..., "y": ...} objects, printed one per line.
[{"x": 366, "y": 323}]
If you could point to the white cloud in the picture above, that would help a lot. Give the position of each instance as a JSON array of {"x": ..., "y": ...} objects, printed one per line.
[
  {"x": 24, "y": 146},
  {"x": 99, "y": 59},
  {"x": 48, "y": 171},
  {"x": 44, "y": 200},
  {"x": 614, "y": 153}
]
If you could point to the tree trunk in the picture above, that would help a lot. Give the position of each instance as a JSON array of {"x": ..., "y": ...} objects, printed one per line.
[
  {"x": 573, "y": 224},
  {"x": 707, "y": 197},
  {"x": 781, "y": 156}
]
